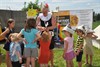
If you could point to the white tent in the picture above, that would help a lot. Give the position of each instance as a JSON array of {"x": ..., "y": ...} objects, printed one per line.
[{"x": 96, "y": 42}]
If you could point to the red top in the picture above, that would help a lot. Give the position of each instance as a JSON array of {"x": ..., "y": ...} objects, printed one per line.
[{"x": 44, "y": 55}]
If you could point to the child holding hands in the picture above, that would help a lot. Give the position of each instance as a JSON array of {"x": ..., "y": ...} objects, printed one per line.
[{"x": 68, "y": 54}]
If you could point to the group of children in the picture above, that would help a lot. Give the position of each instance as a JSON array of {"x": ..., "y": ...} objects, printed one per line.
[
  {"x": 83, "y": 44},
  {"x": 32, "y": 35}
]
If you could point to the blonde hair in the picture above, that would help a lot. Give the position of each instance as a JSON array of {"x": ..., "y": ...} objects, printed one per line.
[
  {"x": 14, "y": 36},
  {"x": 45, "y": 36}
]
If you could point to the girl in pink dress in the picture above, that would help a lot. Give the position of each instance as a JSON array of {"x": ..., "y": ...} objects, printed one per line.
[{"x": 68, "y": 53}]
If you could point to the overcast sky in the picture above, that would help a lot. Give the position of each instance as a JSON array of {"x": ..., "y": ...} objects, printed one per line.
[{"x": 63, "y": 4}]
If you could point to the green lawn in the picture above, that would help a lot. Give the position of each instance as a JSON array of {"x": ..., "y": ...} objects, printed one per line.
[{"x": 60, "y": 62}]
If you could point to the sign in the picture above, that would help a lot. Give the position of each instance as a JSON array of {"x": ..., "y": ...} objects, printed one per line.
[
  {"x": 31, "y": 13},
  {"x": 75, "y": 17}
]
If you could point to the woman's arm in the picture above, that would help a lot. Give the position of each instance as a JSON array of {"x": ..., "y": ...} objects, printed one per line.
[
  {"x": 53, "y": 24},
  {"x": 38, "y": 26}
]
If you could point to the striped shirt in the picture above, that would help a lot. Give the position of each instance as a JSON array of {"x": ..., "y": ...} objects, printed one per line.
[{"x": 79, "y": 42}]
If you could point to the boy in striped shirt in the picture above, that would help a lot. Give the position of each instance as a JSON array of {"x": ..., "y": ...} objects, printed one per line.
[{"x": 79, "y": 45}]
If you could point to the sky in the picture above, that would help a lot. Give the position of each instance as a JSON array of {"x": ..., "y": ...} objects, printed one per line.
[{"x": 62, "y": 4}]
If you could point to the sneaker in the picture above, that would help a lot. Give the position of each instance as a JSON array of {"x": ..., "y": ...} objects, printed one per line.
[{"x": 86, "y": 63}]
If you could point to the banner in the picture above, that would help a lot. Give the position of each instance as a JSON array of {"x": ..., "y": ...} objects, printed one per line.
[
  {"x": 81, "y": 17},
  {"x": 31, "y": 13},
  {"x": 75, "y": 17}
]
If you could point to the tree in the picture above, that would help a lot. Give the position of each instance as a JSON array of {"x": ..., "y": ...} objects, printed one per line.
[{"x": 31, "y": 5}]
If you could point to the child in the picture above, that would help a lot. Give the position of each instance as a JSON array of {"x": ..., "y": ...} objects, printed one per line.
[
  {"x": 44, "y": 55},
  {"x": 88, "y": 50},
  {"x": 15, "y": 50},
  {"x": 79, "y": 44},
  {"x": 5, "y": 34},
  {"x": 30, "y": 33},
  {"x": 68, "y": 54}
]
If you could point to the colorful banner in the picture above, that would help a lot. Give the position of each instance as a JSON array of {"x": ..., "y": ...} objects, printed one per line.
[{"x": 75, "y": 18}]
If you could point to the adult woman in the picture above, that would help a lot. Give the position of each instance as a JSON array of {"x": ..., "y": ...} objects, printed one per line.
[{"x": 46, "y": 21}]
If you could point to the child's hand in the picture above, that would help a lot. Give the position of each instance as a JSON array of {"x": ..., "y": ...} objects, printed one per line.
[
  {"x": 77, "y": 53},
  {"x": 33, "y": 42},
  {"x": 25, "y": 41},
  {"x": 63, "y": 55},
  {"x": 20, "y": 60}
]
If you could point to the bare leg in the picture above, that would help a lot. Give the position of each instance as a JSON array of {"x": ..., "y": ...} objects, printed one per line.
[
  {"x": 86, "y": 59},
  {"x": 91, "y": 59},
  {"x": 68, "y": 64},
  {"x": 46, "y": 65},
  {"x": 8, "y": 61},
  {"x": 41, "y": 65},
  {"x": 28, "y": 62},
  {"x": 51, "y": 59},
  {"x": 33, "y": 62},
  {"x": 71, "y": 63},
  {"x": 80, "y": 64}
]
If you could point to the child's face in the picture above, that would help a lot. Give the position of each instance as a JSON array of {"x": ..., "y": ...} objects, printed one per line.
[
  {"x": 12, "y": 24},
  {"x": 89, "y": 34},
  {"x": 12, "y": 38},
  {"x": 79, "y": 32},
  {"x": 66, "y": 33}
]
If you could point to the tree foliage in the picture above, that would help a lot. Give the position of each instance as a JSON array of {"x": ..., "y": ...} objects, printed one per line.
[
  {"x": 96, "y": 16},
  {"x": 31, "y": 5}
]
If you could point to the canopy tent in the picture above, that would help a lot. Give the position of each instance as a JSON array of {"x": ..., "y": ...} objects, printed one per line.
[{"x": 96, "y": 42}]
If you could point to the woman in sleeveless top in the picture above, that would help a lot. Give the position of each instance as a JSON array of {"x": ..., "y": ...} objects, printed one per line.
[
  {"x": 45, "y": 21},
  {"x": 5, "y": 34}
]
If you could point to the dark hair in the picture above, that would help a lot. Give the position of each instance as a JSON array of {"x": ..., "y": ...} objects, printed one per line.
[
  {"x": 30, "y": 23},
  {"x": 70, "y": 35},
  {"x": 10, "y": 21}
]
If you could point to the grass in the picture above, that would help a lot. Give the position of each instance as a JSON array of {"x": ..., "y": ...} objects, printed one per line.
[
  {"x": 59, "y": 61},
  {"x": 95, "y": 24}
]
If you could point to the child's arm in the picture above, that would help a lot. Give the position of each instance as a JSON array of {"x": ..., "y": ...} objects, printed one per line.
[
  {"x": 65, "y": 48},
  {"x": 38, "y": 36},
  {"x": 50, "y": 36},
  {"x": 23, "y": 39},
  {"x": 18, "y": 49},
  {"x": 94, "y": 36},
  {"x": 19, "y": 56},
  {"x": 79, "y": 49},
  {"x": 3, "y": 34}
]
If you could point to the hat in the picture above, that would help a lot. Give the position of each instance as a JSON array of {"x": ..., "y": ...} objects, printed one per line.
[
  {"x": 90, "y": 31},
  {"x": 81, "y": 28},
  {"x": 66, "y": 28}
]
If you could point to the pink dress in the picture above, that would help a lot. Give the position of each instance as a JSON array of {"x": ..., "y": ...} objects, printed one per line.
[{"x": 69, "y": 52}]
